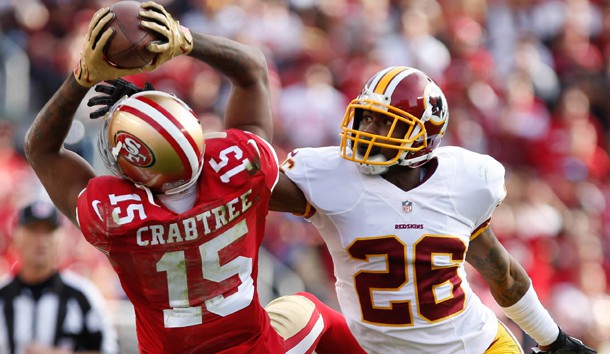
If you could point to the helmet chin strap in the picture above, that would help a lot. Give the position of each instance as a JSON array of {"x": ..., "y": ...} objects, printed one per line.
[
  {"x": 373, "y": 169},
  {"x": 415, "y": 162},
  {"x": 381, "y": 169},
  {"x": 180, "y": 202},
  {"x": 177, "y": 202},
  {"x": 181, "y": 188},
  {"x": 149, "y": 194}
]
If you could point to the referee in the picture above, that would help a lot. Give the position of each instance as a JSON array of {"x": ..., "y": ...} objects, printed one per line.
[{"x": 42, "y": 309}]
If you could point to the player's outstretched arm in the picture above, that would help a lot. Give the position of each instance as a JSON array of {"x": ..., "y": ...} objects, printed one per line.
[
  {"x": 249, "y": 104},
  {"x": 512, "y": 289},
  {"x": 287, "y": 197},
  {"x": 248, "y": 108},
  {"x": 63, "y": 173}
]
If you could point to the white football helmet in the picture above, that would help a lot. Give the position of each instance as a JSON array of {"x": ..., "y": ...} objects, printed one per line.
[
  {"x": 153, "y": 139},
  {"x": 405, "y": 95}
]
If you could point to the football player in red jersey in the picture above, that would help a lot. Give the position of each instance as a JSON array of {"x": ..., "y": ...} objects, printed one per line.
[
  {"x": 182, "y": 220},
  {"x": 401, "y": 216}
]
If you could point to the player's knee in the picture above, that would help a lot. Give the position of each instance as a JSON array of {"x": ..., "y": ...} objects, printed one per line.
[{"x": 291, "y": 314}]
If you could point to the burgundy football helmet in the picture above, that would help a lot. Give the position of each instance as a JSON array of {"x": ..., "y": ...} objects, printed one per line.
[
  {"x": 153, "y": 139},
  {"x": 404, "y": 95}
]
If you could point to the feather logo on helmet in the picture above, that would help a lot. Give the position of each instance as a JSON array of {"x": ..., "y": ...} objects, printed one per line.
[
  {"x": 435, "y": 105},
  {"x": 134, "y": 150}
]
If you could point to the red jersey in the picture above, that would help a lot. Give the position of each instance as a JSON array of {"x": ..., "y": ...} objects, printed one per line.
[{"x": 192, "y": 276}]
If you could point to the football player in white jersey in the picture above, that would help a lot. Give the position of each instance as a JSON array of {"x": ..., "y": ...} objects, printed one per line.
[
  {"x": 182, "y": 219},
  {"x": 401, "y": 216}
]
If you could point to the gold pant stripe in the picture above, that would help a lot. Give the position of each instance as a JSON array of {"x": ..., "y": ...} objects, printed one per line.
[{"x": 504, "y": 343}]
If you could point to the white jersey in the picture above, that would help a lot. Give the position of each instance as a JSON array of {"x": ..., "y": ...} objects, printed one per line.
[{"x": 399, "y": 256}]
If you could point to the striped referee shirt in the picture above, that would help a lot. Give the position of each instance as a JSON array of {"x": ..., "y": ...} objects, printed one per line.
[{"x": 66, "y": 311}]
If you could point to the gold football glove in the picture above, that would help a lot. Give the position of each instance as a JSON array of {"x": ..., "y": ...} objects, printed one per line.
[
  {"x": 92, "y": 67},
  {"x": 178, "y": 39}
]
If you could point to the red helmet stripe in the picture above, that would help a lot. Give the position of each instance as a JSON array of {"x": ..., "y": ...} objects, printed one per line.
[
  {"x": 159, "y": 128},
  {"x": 173, "y": 119}
]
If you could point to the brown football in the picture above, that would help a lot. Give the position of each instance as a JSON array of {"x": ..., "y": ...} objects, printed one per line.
[{"x": 127, "y": 48}]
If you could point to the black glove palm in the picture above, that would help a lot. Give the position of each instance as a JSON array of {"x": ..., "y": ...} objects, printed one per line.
[
  {"x": 113, "y": 91},
  {"x": 566, "y": 345}
]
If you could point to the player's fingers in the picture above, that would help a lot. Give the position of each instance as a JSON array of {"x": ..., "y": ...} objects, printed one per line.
[
  {"x": 158, "y": 47},
  {"x": 93, "y": 102},
  {"x": 159, "y": 59},
  {"x": 151, "y": 5},
  {"x": 153, "y": 16},
  {"x": 99, "y": 28},
  {"x": 103, "y": 41},
  {"x": 99, "y": 113},
  {"x": 107, "y": 89},
  {"x": 96, "y": 19},
  {"x": 100, "y": 100},
  {"x": 119, "y": 83},
  {"x": 151, "y": 67},
  {"x": 157, "y": 28},
  {"x": 106, "y": 17}
]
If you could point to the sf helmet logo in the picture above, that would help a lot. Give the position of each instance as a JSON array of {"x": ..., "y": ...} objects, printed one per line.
[{"x": 134, "y": 150}]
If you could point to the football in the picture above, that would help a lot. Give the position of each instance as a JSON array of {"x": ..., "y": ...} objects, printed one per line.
[{"x": 127, "y": 48}]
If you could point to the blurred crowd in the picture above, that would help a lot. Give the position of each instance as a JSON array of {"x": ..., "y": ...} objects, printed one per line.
[{"x": 527, "y": 81}]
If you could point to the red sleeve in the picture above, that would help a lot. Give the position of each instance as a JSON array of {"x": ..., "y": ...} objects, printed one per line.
[
  {"x": 93, "y": 207},
  {"x": 262, "y": 154}
]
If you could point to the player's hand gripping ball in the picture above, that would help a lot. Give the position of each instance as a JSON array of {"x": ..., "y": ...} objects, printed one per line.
[{"x": 127, "y": 47}]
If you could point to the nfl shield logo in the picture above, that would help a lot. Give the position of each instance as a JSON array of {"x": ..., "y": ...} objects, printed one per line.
[{"x": 407, "y": 206}]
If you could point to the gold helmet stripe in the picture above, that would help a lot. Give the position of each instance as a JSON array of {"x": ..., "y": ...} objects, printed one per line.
[
  {"x": 386, "y": 78},
  {"x": 174, "y": 135},
  {"x": 374, "y": 80}
]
